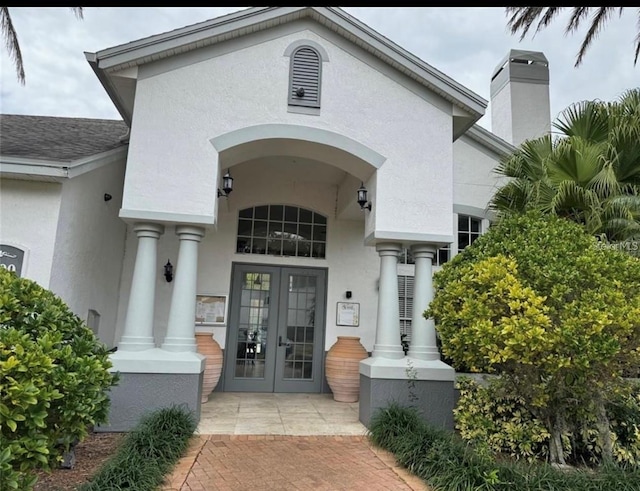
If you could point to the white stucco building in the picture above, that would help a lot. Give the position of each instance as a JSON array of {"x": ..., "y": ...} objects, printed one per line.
[{"x": 301, "y": 106}]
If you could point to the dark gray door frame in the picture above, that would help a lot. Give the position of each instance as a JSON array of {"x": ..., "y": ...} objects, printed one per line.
[{"x": 272, "y": 370}]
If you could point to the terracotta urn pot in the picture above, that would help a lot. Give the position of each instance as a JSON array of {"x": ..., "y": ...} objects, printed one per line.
[
  {"x": 342, "y": 368},
  {"x": 210, "y": 348}
]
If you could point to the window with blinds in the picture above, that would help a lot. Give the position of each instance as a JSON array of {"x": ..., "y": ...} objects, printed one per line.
[
  {"x": 304, "y": 78},
  {"x": 405, "y": 298}
]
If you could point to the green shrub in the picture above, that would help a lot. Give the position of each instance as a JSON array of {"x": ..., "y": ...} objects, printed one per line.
[
  {"x": 147, "y": 453},
  {"x": 536, "y": 301},
  {"x": 490, "y": 416},
  {"x": 446, "y": 463},
  {"x": 55, "y": 378},
  {"x": 493, "y": 418}
]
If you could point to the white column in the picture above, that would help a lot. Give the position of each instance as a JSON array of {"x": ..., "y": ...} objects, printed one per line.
[
  {"x": 138, "y": 326},
  {"x": 388, "y": 343},
  {"x": 182, "y": 314},
  {"x": 423, "y": 331}
]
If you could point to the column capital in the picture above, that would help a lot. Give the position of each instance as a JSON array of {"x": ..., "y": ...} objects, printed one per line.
[
  {"x": 388, "y": 248},
  {"x": 422, "y": 249},
  {"x": 148, "y": 229},
  {"x": 190, "y": 232}
]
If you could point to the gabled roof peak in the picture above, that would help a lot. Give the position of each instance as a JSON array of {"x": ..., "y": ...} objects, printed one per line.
[{"x": 247, "y": 21}]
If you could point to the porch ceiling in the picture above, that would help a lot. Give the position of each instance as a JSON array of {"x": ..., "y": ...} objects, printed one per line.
[
  {"x": 302, "y": 171},
  {"x": 300, "y": 150}
]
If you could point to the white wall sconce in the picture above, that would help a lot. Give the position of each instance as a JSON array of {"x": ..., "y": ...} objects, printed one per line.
[
  {"x": 362, "y": 198},
  {"x": 227, "y": 185}
]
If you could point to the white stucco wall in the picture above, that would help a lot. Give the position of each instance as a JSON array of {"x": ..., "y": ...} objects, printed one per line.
[
  {"x": 351, "y": 265},
  {"x": 28, "y": 218},
  {"x": 185, "y": 101},
  {"x": 474, "y": 182},
  {"x": 89, "y": 250}
]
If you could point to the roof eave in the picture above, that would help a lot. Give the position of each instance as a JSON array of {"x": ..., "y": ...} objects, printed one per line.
[
  {"x": 491, "y": 141},
  {"x": 60, "y": 170},
  {"x": 105, "y": 80}
]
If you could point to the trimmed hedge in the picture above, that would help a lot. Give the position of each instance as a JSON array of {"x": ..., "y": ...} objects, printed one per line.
[
  {"x": 446, "y": 463},
  {"x": 147, "y": 453}
]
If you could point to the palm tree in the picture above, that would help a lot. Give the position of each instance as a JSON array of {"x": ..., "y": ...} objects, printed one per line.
[
  {"x": 11, "y": 39},
  {"x": 589, "y": 172},
  {"x": 523, "y": 18}
]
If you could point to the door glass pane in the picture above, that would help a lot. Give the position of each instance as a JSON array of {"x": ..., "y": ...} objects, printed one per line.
[
  {"x": 300, "y": 327},
  {"x": 253, "y": 325}
]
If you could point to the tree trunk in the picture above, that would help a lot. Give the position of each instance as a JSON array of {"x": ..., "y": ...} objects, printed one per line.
[
  {"x": 556, "y": 453},
  {"x": 604, "y": 430}
]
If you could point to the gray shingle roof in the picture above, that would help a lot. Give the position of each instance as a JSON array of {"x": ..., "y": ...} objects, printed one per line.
[{"x": 58, "y": 139}]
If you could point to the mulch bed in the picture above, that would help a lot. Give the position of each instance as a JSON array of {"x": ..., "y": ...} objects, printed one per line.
[{"x": 90, "y": 455}]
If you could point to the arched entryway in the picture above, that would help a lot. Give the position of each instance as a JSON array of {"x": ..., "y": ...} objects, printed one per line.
[{"x": 295, "y": 221}]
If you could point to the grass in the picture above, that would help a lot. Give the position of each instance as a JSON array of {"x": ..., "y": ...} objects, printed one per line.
[
  {"x": 147, "y": 453},
  {"x": 446, "y": 463}
]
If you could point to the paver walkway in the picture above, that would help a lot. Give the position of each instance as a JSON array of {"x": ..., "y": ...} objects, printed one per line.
[
  {"x": 281, "y": 462},
  {"x": 285, "y": 442}
]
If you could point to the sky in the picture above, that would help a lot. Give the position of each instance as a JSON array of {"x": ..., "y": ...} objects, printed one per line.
[{"x": 465, "y": 43}]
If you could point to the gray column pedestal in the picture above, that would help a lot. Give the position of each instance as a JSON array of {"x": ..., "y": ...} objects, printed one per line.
[
  {"x": 151, "y": 380},
  {"x": 425, "y": 385}
]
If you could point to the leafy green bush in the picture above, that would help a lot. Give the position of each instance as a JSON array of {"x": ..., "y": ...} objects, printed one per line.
[
  {"x": 147, "y": 453},
  {"x": 489, "y": 416},
  {"x": 536, "y": 301},
  {"x": 55, "y": 378},
  {"x": 446, "y": 463}
]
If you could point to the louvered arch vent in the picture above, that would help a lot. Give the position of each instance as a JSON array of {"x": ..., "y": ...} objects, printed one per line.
[{"x": 304, "y": 81}]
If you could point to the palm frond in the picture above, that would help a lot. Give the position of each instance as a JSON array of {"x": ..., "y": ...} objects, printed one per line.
[
  {"x": 627, "y": 206},
  {"x": 522, "y": 19},
  {"x": 605, "y": 183},
  {"x": 527, "y": 161},
  {"x": 576, "y": 160},
  {"x": 11, "y": 42},
  {"x": 548, "y": 16},
  {"x": 513, "y": 196},
  {"x": 573, "y": 200},
  {"x": 79, "y": 11},
  {"x": 585, "y": 119},
  {"x": 600, "y": 18},
  {"x": 637, "y": 40},
  {"x": 578, "y": 14},
  {"x": 11, "y": 39}
]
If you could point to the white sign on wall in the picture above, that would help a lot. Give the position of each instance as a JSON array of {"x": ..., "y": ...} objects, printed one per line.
[{"x": 348, "y": 314}]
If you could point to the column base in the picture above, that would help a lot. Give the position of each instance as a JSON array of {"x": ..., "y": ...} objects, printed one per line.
[
  {"x": 426, "y": 385},
  {"x": 392, "y": 352},
  {"x": 136, "y": 343},
  {"x": 180, "y": 344},
  {"x": 151, "y": 380},
  {"x": 426, "y": 353}
]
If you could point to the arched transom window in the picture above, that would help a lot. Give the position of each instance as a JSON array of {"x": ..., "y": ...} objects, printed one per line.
[{"x": 281, "y": 230}]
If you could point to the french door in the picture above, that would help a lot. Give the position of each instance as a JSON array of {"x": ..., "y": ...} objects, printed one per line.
[{"x": 276, "y": 329}]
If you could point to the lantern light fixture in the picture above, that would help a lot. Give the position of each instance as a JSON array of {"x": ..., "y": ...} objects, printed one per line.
[
  {"x": 168, "y": 271},
  {"x": 227, "y": 185},
  {"x": 362, "y": 198}
]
